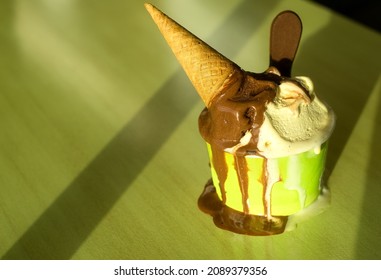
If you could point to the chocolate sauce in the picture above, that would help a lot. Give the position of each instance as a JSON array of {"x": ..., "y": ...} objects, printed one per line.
[
  {"x": 237, "y": 110},
  {"x": 241, "y": 169},
  {"x": 229, "y": 219},
  {"x": 219, "y": 163}
]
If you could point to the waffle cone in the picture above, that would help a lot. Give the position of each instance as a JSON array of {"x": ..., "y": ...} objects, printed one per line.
[{"x": 207, "y": 69}]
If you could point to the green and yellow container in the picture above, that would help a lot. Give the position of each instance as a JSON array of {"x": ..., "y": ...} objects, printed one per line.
[{"x": 276, "y": 186}]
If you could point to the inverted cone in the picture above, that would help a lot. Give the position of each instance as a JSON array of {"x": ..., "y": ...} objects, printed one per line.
[{"x": 206, "y": 68}]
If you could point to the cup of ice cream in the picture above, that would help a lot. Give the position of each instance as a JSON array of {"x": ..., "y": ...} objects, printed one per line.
[
  {"x": 267, "y": 154},
  {"x": 266, "y": 133}
]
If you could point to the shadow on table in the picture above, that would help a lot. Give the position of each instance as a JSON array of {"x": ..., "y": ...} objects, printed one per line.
[
  {"x": 65, "y": 225},
  {"x": 369, "y": 233},
  {"x": 348, "y": 102}
]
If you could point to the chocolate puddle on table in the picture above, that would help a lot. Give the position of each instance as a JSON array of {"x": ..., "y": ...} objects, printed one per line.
[{"x": 227, "y": 218}]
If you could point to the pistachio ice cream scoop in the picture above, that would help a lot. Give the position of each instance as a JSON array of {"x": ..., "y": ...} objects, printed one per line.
[{"x": 266, "y": 133}]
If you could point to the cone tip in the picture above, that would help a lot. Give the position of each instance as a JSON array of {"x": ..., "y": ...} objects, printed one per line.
[
  {"x": 151, "y": 9},
  {"x": 149, "y": 6},
  {"x": 155, "y": 13}
]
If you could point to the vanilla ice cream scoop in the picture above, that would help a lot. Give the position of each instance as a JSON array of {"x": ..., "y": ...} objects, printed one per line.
[{"x": 295, "y": 121}]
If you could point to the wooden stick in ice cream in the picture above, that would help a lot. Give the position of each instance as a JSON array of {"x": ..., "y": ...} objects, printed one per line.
[{"x": 208, "y": 70}]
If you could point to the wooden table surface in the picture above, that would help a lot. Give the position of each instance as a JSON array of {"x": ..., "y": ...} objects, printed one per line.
[{"x": 100, "y": 155}]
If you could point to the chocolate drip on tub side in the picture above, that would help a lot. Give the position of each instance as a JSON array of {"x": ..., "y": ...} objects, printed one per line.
[
  {"x": 239, "y": 109},
  {"x": 241, "y": 168}
]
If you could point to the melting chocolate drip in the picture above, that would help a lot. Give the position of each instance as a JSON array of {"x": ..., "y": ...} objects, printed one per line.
[
  {"x": 241, "y": 169},
  {"x": 219, "y": 163},
  {"x": 240, "y": 108}
]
